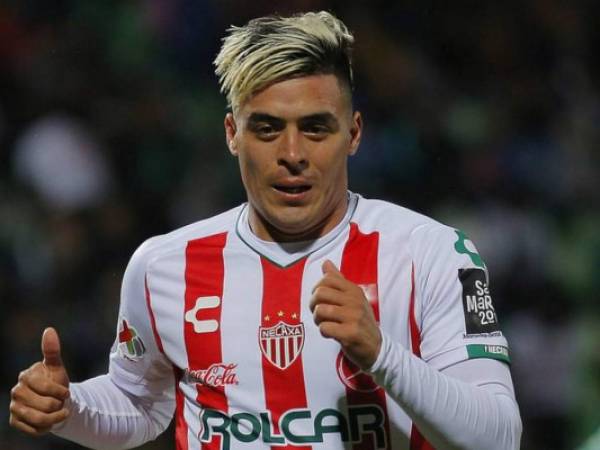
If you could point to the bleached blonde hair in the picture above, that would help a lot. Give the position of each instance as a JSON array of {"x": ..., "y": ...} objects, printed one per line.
[{"x": 274, "y": 48}]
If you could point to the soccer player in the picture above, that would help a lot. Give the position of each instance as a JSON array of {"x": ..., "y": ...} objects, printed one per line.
[{"x": 309, "y": 317}]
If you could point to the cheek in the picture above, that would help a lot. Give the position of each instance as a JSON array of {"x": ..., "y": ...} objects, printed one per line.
[
  {"x": 250, "y": 168},
  {"x": 334, "y": 167}
]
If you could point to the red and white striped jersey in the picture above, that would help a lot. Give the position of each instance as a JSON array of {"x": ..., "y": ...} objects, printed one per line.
[{"x": 225, "y": 317}]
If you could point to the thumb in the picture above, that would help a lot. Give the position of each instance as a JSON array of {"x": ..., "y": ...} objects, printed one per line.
[
  {"x": 51, "y": 349},
  {"x": 329, "y": 267}
]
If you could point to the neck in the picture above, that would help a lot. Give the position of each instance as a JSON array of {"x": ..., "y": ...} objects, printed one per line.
[{"x": 267, "y": 231}]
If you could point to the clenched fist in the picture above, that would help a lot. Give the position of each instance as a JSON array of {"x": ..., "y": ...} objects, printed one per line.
[
  {"x": 38, "y": 398},
  {"x": 342, "y": 312}
]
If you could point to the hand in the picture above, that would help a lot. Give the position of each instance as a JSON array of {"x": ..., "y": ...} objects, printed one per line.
[
  {"x": 38, "y": 399},
  {"x": 342, "y": 312}
]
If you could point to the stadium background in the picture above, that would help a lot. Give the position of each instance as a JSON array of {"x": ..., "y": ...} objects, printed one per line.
[{"x": 485, "y": 115}]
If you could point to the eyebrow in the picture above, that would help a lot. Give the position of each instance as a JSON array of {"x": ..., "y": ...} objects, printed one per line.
[
  {"x": 323, "y": 117},
  {"x": 257, "y": 117}
]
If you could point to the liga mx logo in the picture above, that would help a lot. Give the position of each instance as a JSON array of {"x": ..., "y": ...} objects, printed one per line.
[
  {"x": 281, "y": 344},
  {"x": 130, "y": 345}
]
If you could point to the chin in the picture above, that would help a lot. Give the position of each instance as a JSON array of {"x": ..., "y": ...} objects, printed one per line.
[
  {"x": 303, "y": 230},
  {"x": 289, "y": 223},
  {"x": 291, "y": 228}
]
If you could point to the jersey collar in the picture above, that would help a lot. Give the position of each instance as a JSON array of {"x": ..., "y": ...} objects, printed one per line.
[{"x": 287, "y": 253}]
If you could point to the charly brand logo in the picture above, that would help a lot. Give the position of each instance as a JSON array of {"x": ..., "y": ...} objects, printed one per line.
[
  {"x": 282, "y": 343},
  {"x": 353, "y": 377},
  {"x": 464, "y": 245},
  {"x": 130, "y": 344},
  {"x": 217, "y": 375},
  {"x": 203, "y": 303}
]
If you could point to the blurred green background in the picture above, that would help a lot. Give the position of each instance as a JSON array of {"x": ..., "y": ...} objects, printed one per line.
[{"x": 484, "y": 115}]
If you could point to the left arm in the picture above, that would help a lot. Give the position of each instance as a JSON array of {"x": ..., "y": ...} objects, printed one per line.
[{"x": 468, "y": 405}]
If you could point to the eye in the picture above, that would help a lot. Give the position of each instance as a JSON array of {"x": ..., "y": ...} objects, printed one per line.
[
  {"x": 264, "y": 131},
  {"x": 316, "y": 130}
]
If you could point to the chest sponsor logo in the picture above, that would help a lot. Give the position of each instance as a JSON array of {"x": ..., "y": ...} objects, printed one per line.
[
  {"x": 296, "y": 427},
  {"x": 130, "y": 345},
  {"x": 281, "y": 344},
  {"x": 480, "y": 315},
  {"x": 353, "y": 377},
  {"x": 203, "y": 303},
  {"x": 217, "y": 375}
]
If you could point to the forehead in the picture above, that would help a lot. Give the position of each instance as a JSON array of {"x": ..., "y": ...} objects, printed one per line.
[{"x": 299, "y": 97}]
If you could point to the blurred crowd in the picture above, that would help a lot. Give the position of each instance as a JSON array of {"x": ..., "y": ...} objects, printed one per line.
[{"x": 484, "y": 115}]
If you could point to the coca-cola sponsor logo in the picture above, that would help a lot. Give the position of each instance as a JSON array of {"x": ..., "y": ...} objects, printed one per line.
[{"x": 216, "y": 375}]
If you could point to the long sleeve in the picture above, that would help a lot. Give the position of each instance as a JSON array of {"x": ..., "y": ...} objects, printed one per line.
[
  {"x": 469, "y": 405},
  {"x": 135, "y": 401},
  {"x": 103, "y": 416}
]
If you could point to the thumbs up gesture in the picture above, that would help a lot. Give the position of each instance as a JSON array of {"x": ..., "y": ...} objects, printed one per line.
[{"x": 38, "y": 398}]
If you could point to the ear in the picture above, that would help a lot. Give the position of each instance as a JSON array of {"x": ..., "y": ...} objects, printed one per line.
[
  {"x": 230, "y": 132},
  {"x": 355, "y": 132}
]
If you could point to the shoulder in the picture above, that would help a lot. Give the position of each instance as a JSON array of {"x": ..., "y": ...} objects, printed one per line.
[
  {"x": 424, "y": 238},
  {"x": 176, "y": 240},
  {"x": 387, "y": 217}
]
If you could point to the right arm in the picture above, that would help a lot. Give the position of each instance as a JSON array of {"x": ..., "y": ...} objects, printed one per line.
[
  {"x": 130, "y": 405},
  {"x": 102, "y": 415}
]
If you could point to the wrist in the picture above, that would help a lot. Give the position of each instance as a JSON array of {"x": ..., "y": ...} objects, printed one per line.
[{"x": 380, "y": 354}]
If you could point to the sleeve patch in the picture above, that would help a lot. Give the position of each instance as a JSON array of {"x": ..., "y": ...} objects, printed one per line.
[
  {"x": 480, "y": 315},
  {"x": 464, "y": 246},
  {"x": 499, "y": 352},
  {"x": 130, "y": 345}
]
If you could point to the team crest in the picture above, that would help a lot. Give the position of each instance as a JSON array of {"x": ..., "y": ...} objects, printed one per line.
[
  {"x": 130, "y": 344},
  {"x": 282, "y": 343}
]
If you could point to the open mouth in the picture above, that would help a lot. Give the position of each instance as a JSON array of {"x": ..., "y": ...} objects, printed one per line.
[{"x": 292, "y": 189}]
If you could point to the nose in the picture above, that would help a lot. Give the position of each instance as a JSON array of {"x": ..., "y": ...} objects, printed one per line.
[{"x": 292, "y": 153}]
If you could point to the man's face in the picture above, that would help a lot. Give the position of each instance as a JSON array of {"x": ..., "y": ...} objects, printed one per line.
[{"x": 293, "y": 140}]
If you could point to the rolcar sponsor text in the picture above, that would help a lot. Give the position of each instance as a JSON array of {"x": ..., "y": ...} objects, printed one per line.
[{"x": 246, "y": 427}]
